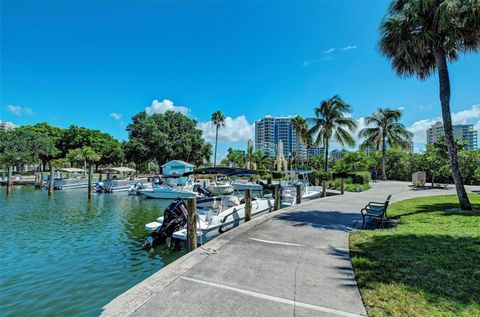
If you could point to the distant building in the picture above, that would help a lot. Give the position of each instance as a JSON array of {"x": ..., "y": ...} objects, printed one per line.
[
  {"x": 315, "y": 151},
  {"x": 461, "y": 132},
  {"x": 337, "y": 154},
  {"x": 269, "y": 130},
  {"x": 6, "y": 125},
  {"x": 177, "y": 167}
]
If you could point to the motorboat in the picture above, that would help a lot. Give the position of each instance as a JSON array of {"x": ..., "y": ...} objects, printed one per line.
[
  {"x": 215, "y": 214},
  {"x": 289, "y": 187},
  {"x": 242, "y": 185},
  {"x": 167, "y": 187},
  {"x": 118, "y": 179},
  {"x": 221, "y": 187}
]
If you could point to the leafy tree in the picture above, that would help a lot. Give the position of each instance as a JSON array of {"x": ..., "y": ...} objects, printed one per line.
[
  {"x": 331, "y": 121},
  {"x": 353, "y": 162},
  {"x": 469, "y": 163},
  {"x": 168, "y": 136},
  {"x": 17, "y": 147},
  {"x": 218, "y": 119},
  {"x": 436, "y": 158},
  {"x": 85, "y": 155},
  {"x": 235, "y": 158},
  {"x": 46, "y": 139},
  {"x": 386, "y": 130},
  {"x": 136, "y": 152},
  {"x": 419, "y": 37}
]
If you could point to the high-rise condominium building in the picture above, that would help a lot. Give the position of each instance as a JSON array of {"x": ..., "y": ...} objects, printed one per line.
[
  {"x": 462, "y": 132},
  {"x": 269, "y": 130},
  {"x": 6, "y": 125}
]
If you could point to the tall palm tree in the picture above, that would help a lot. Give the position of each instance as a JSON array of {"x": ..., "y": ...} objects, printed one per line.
[
  {"x": 385, "y": 130},
  {"x": 261, "y": 159},
  {"x": 300, "y": 126},
  {"x": 331, "y": 121},
  {"x": 419, "y": 36},
  {"x": 218, "y": 119}
]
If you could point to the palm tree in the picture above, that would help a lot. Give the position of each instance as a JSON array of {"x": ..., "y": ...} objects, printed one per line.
[
  {"x": 331, "y": 121},
  {"x": 260, "y": 159},
  {"x": 419, "y": 36},
  {"x": 300, "y": 126},
  {"x": 386, "y": 130},
  {"x": 218, "y": 119}
]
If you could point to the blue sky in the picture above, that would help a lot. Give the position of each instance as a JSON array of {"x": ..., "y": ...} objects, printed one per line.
[{"x": 95, "y": 64}]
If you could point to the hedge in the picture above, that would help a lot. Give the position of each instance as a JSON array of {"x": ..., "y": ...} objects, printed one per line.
[{"x": 360, "y": 177}]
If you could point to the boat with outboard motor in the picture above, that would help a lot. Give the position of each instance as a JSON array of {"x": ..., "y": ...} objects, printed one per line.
[
  {"x": 169, "y": 187},
  {"x": 215, "y": 214},
  {"x": 118, "y": 179}
]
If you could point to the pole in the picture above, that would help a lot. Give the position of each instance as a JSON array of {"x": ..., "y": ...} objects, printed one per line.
[
  {"x": 299, "y": 194},
  {"x": 192, "y": 224},
  {"x": 276, "y": 204},
  {"x": 324, "y": 189},
  {"x": 90, "y": 175},
  {"x": 42, "y": 180},
  {"x": 248, "y": 205},
  {"x": 52, "y": 178},
  {"x": 9, "y": 180},
  {"x": 342, "y": 187}
]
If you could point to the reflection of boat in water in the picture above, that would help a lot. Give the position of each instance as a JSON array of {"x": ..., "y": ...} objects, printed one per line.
[
  {"x": 215, "y": 214},
  {"x": 289, "y": 190},
  {"x": 118, "y": 179}
]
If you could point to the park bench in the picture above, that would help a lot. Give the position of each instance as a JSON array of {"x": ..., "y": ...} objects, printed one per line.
[{"x": 376, "y": 210}]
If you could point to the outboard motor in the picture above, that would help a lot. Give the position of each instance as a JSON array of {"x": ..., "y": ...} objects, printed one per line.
[
  {"x": 174, "y": 219},
  {"x": 135, "y": 188},
  {"x": 202, "y": 191},
  {"x": 100, "y": 187}
]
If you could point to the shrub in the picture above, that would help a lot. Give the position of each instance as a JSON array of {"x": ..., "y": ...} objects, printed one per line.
[
  {"x": 360, "y": 177},
  {"x": 356, "y": 187},
  {"x": 277, "y": 175},
  {"x": 321, "y": 176}
]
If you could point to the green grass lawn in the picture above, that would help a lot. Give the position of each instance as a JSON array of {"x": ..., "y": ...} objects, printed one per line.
[{"x": 429, "y": 265}]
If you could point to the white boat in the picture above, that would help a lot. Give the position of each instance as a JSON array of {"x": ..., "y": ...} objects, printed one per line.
[
  {"x": 221, "y": 188},
  {"x": 118, "y": 179},
  {"x": 289, "y": 188},
  {"x": 244, "y": 185},
  {"x": 222, "y": 215},
  {"x": 168, "y": 192}
]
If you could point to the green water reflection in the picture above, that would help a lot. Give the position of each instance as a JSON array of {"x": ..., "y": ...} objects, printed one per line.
[{"x": 67, "y": 256}]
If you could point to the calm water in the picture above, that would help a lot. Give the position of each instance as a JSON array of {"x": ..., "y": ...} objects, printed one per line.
[{"x": 66, "y": 256}]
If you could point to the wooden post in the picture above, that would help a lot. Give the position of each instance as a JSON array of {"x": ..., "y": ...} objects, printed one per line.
[
  {"x": 9, "y": 180},
  {"x": 90, "y": 187},
  {"x": 299, "y": 194},
  {"x": 276, "y": 204},
  {"x": 324, "y": 189},
  {"x": 192, "y": 224},
  {"x": 52, "y": 178},
  {"x": 317, "y": 182},
  {"x": 42, "y": 180},
  {"x": 248, "y": 205},
  {"x": 342, "y": 187}
]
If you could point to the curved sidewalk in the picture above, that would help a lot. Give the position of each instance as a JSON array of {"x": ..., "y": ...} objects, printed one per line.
[{"x": 292, "y": 262}]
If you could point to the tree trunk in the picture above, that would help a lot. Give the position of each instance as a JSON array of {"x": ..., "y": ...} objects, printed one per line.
[
  {"x": 433, "y": 179},
  {"x": 84, "y": 168},
  {"x": 215, "y": 156},
  {"x": 9, "y": 180},
  {"x": 326, "y": 156},
  {"x": 447, "y": 124},
  {"x": 384, "y": 158}
]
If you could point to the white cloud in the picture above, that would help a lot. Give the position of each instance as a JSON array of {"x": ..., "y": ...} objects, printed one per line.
[
  {"x": 116, "y": 116},
  {"x": 235, "y": 130},
  {"x": 165, "y": 105},
  {"x": 462, "y": 116},
  {"x": 476, "y": 127},
  {"x": 347, "y": 48},
  {"x": 19, "y": 110},
  {"x": 329, "y": 55}
]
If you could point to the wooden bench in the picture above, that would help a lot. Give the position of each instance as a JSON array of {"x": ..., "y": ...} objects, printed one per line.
[{"x": 375, "y": 210}]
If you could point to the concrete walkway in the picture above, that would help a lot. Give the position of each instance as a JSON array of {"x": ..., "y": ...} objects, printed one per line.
[{"x": 293, "y": 262}]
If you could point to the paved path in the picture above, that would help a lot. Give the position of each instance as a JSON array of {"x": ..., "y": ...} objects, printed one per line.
[{"x": 294, "y": 262}]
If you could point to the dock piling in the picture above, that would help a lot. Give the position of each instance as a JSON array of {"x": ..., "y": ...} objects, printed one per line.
[
  {"x": 299, "y": 194},
  {"x": 248, "y": 205},
  {"x": 192, "y": 224},
  {"x": 51, "y": 180},
  {"x": 90, "y": 175},
  {"x": 324, "y": 189},
  {"x": 9, "y": 180},
  {"x": 342, "y": 186},
  {"x": 276, "y": 204}
]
